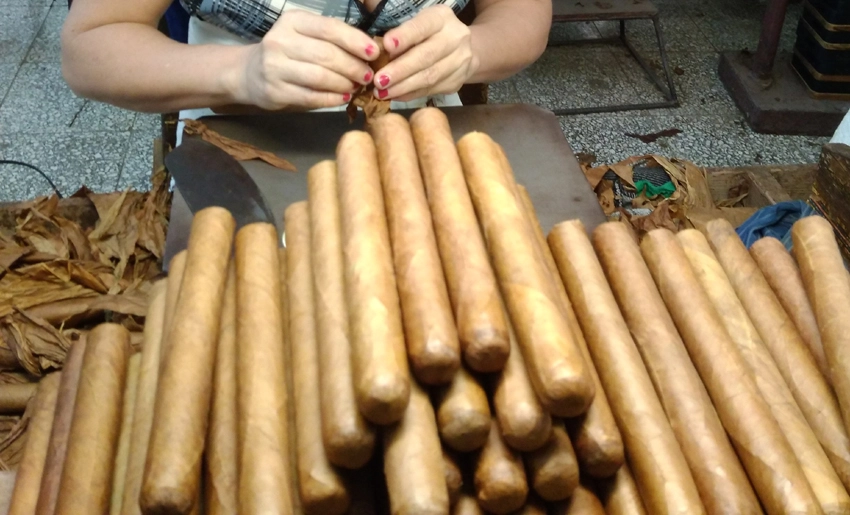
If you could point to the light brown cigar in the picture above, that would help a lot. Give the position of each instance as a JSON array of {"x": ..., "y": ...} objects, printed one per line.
[
  {"x": 429, "y": 328},
  {"x": 701, "y": 437},
  {"x": 176, "y": 270},
  {"x": 533, "y": 506},
  {"x": 655, "y": 456},
  {"x": 763, "y": 449},
  {"x": 824, "y": 276},
  {"x": 221, "y": 488},
  {"x": 796, "y": 364},
  {"x": 523, "y": 422},
  {"x": 467, "y": 505},
  {"x": 379, "y": 360},
  {"x": 122, "y": 454},
  {"x": 30, "y": 469},
  {"x": 14, "y": 397},
  {"x": 463, "y": 413},
  {"x": 500, "y": 483},
  {"x": 57, "y": 449},
  {"x": 146, "y": 390},
  {"x": 481, "y": 320},
  {"x": 349, "y": 439},
  {"x": 555, "y": 365},
  {"x": 290, "y": 380},
  {"x": 582, "y": 502},
  {"x": 87, "y": 474},
  {"x": 620, "y": 494},
  {"x": 320, "y": 485},
  {"x": 173, "y": 468},
  {"x": 454, "y": 477},
  {"x": 783, "y": 275},
  {"x": 420, "y": 489},
  {"x": 596, "y": 439},
  {"x": 265, "y": 480},
  {"x": 822, "y": 477},
  {"x": 553, "y": 469}
]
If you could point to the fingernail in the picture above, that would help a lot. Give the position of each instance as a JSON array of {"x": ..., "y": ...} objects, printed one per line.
[
  {"x": 346, "y": 97},
  {"x": 368, "y": 77},
  {"x": 395, "y": 42},
  {"x": 384, "y": 81},
  {"x": 382, "y": 93},
  {"x": 370, "y": 50}
]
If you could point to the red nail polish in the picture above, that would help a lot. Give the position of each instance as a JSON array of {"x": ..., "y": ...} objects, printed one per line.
[
  {"x": 346, "y": 97},
  {"x": 395, "y": 42},
  {"x": 382, "y": 93},
  {"x": 367, "y": 77},
  {"x": 370, "y": 50},
  {"x": 384, "y": 81}
]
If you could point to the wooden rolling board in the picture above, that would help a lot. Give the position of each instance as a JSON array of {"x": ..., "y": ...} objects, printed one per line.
[{"x": 532, "y": 138}]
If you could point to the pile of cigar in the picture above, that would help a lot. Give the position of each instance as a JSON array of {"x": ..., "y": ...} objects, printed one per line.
[{"x": 420, "y": 347}]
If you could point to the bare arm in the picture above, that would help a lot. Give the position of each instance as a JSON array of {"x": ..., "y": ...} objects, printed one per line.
[{"x": 112, "y": 52}]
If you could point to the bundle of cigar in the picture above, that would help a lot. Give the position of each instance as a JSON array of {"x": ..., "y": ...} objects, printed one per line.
[{"x": 421, "y": 347}]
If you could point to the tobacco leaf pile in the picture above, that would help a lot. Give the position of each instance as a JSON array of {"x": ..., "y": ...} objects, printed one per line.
[
  {"x": 65, "y": 266},
  {"x": 652, "y": 191}
]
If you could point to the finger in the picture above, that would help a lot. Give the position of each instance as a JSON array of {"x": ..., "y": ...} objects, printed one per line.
[
  {"x": 416, "y": 61},
  {"x": 315, "y": 77},
  {"x": 428, "y": 22},
  {"x": 293, "y": 95},
  {"x": 330, "y": 56},
  {"x": 444, "y": 77},
  {"x": 332, "y": 30}
]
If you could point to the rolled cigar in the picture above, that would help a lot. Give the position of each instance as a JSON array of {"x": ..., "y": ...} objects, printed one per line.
[
  {"x": 14, "y": 397},
  {"x": 783, "y": 275},
  {"x": 463, "y": 413},
  {"x": 481, "y": 321},
  {"x": 810, "y": 389},
  {"x": 524, "y": 423},
  {"x": 64, "y": 414},
  {"x": 175, "y": 280},
  {"x": 553, "y": 469},
  {"x": 429, "y": 328},
  {"x": 824, "y": 276},
  {"x": 222, "y": 455},
  {"x": 320, "y": 485},
  {"x": 596, "y": 439},
  {"x": 265, "y": 476},
  {"x": 500, "y": 482},
  {"x": 119, "y": 474},
  {"x": 92, "y": 441},
  {"x": 30, "y": 469},
  {"x": 763, "y": 449},
  {"x": 419, "y": 489},
  {"x": 454, "y": 477},
  {"x": 349, "y": 439},
  {"x": 650, "y": 442},
  {"x": 533, "y": 506},
  {"x": 181, "y": 411},
  {"x": 467, "y": 505},
  {"x": 582, "y": 502},
  {"x": 694, "y": 421},
  {"x": 378, "y": 357},
  {"x": 620, "y": 494},
  {"x": 555, "y": 365},
  {"x": 146, "y": 389},
  {"x": 816, "y": 466}
]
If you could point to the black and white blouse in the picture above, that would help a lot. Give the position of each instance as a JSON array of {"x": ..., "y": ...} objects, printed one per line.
[{"x": 251, "y": 19}]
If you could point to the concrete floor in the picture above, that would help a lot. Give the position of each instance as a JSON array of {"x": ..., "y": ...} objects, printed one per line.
[{"x": 77, "y": 142}]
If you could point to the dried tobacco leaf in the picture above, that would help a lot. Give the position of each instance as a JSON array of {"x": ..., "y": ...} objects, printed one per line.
[
  {"x": 39, "y": 346},
  {"x": 364, "y": 98},
  {"x": 239, "y": 150},
  {"x": 13, "y": 438}
]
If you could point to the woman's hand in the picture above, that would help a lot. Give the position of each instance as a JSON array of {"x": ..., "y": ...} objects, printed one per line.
[
  {"x": 305, "y": 60},
  {"x": 431, "y": 54}
]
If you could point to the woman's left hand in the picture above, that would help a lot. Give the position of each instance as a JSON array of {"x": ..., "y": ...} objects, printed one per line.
[{"x": 431, "y": 54}]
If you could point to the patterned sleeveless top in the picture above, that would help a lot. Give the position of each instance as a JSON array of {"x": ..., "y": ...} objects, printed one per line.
[{"x": 251, "y": 19}]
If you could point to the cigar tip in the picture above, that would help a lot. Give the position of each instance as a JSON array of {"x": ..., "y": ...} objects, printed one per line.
[{"x": 384, "y": 400}]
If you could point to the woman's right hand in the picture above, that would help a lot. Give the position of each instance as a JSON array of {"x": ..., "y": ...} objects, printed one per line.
[{"x": 305, "y": 60}]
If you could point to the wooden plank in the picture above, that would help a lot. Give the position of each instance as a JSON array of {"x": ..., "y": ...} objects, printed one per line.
[{"x": 766, "y": 189}]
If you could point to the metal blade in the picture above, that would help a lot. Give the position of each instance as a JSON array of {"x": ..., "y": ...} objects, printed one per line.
[{"x": 208, "y": 176}]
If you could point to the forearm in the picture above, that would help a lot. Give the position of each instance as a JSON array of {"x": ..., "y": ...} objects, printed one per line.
[
  {"x": 132, "y": 65},
  {"x": 507, "y": 36}
]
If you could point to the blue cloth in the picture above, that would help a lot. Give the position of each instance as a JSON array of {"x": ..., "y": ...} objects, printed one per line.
[
  {"x": 776, "y": 221},
  {"x": 177, "y": 20}
]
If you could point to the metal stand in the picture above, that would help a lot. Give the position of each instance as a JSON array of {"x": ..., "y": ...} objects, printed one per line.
[{"x": 570, "y": 11}]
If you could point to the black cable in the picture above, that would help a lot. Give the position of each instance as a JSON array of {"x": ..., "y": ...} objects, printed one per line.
[{"x": 32, "y": 167}]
